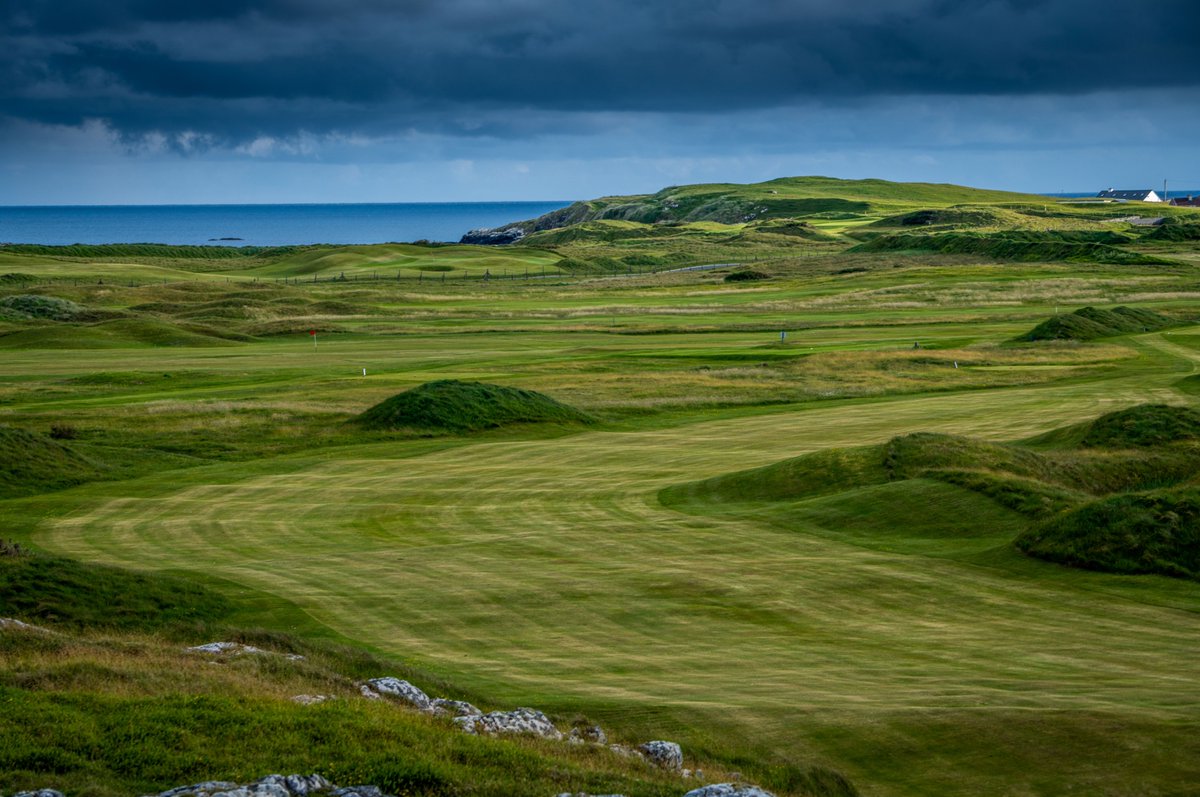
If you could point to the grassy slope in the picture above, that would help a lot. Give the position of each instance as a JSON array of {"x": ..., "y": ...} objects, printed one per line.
[
  {"x": 109, "y": 703},
  {"x": 903, "y": 668}
]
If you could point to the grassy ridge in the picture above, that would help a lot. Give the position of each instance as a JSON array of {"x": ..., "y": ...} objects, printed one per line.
[
  {"x": 153, "y": 251},
  {"x": 1025, "y": 246}
]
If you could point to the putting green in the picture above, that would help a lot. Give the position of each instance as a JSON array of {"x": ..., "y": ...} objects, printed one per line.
[{"x": 547, "y": 573}]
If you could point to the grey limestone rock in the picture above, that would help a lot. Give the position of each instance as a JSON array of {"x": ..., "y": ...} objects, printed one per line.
[
  {"x": 667, "y": 755},
  {"x": 587, "y": 734},
  {"x": 402, "y": 690},
  {"x": 357, "y": 791},
  {"x": 270, "y": 786},
  {"x": 39, "y": 792},
  {"x": 728, "y": 790},
  {"x": 453, "y": 708},
  {"x": 310, "y": 700},
  {"x": 238, "y": 649},
  {"x": 521, "y": 720},
  {"x": 13, "y": 624}
]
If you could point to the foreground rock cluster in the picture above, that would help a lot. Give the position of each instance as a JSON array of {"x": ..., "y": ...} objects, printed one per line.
[
  {"x": 667, "y": 755},
  {"x": 317, "y": 786},
  {"x": 270, "y": 786}
]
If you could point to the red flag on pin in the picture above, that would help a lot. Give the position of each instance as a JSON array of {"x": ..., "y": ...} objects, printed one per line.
[{"x": 312, "y": 332}]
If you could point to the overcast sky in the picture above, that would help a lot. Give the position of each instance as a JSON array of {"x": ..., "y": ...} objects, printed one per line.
[{"x": 148, "y": 101}]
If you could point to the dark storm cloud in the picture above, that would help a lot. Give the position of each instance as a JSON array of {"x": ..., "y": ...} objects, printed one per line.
[{"x": 233, "y": 69}]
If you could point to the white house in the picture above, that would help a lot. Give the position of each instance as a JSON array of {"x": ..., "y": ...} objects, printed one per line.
[{"x": 1130, "y": 196}]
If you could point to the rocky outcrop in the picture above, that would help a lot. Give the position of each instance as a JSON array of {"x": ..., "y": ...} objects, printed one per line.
[
  {"x": 398, "y": 688},
  {"x": 310, "y": 700},
  {"x": 521, "y": 720},
  {"x": 588, "y": 734},
  {"x": 728, "y": 790},
  {"x": 270, "y": 786},
  {"x": 667, "y": 755},
  {"x": 238, "y": 649},
  {"x": 498, "y": 236},
  {"x": 663, "y": 754},
  {"x": 453, "y": 708}
]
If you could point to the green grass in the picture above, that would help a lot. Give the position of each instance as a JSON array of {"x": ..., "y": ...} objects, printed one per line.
[
  {"x": 31, "y": 462},
  {"x": 859, "y": 608},
  {"x": 48, "y": 590}
]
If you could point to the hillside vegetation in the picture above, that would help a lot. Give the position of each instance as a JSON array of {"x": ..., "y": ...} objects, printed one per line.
[
  {"x": 789, "y": 197},
  {"x": 1083, "y": 497}
]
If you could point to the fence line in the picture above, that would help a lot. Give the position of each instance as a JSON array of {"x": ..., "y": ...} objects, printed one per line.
[{"x": 442, "y": 277}]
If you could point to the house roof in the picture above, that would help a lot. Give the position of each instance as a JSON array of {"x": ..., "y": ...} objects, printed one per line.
[{"x": 1136, "y": 196}]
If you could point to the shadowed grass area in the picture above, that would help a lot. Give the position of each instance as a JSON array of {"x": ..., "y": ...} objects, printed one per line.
[
  {"x": 67, "y": 594},
  {"x": 30, "y": 463}
]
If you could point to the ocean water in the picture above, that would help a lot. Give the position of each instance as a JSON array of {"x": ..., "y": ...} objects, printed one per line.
[{"x": 258, "y": 225}]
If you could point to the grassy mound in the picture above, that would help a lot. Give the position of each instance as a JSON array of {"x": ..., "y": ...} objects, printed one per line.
[
  {"x": 65, "y": 593},
  {"x": 1139, "y": 533},
  {"x": 1027, "y": 246},
  {"x": 26, "y": 306},
  {"x": 1174, "y": 230},
  {"x": 963, "y": 216},
  {"x": 1142, "y": 426},
  {"x": 453, "y": 406},
  {"x": 31, "y": 463},
  {"x": 1091, "y": 323}
]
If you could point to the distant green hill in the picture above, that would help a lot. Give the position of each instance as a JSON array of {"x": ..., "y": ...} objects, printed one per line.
[{"x": 786, "y": 197}]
